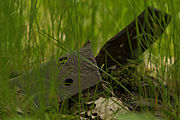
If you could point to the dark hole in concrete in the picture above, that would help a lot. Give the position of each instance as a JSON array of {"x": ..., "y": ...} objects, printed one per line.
[
  {"x": 95, "y": 114},
  {"x": 63, "y": 60},
  {"x": 68, "y": 82}
]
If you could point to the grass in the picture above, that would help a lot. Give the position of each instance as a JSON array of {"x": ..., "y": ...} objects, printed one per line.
[{"x": 30, "y": 30}]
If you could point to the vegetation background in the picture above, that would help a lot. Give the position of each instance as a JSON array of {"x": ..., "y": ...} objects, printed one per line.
[{"x": 28, "y": 29}]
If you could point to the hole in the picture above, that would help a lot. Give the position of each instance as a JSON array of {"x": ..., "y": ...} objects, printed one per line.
[
  {"x": 94, "y": 114},
  {"x": 63, "y": 60},
  {"x": 68, "y": 82}
]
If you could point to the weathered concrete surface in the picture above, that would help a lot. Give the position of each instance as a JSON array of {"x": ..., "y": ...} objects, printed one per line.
[
  {"x": 151, "y": 24},
  {"x": 67, "y": 77}
]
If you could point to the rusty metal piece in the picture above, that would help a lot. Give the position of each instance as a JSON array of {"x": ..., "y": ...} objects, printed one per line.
[
  {"x": 151, "y": 24},
  {"x": 68, "y": 76}
]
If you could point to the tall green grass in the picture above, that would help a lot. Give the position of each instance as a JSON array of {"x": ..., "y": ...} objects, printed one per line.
[{"x": 72, "y": 23}]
